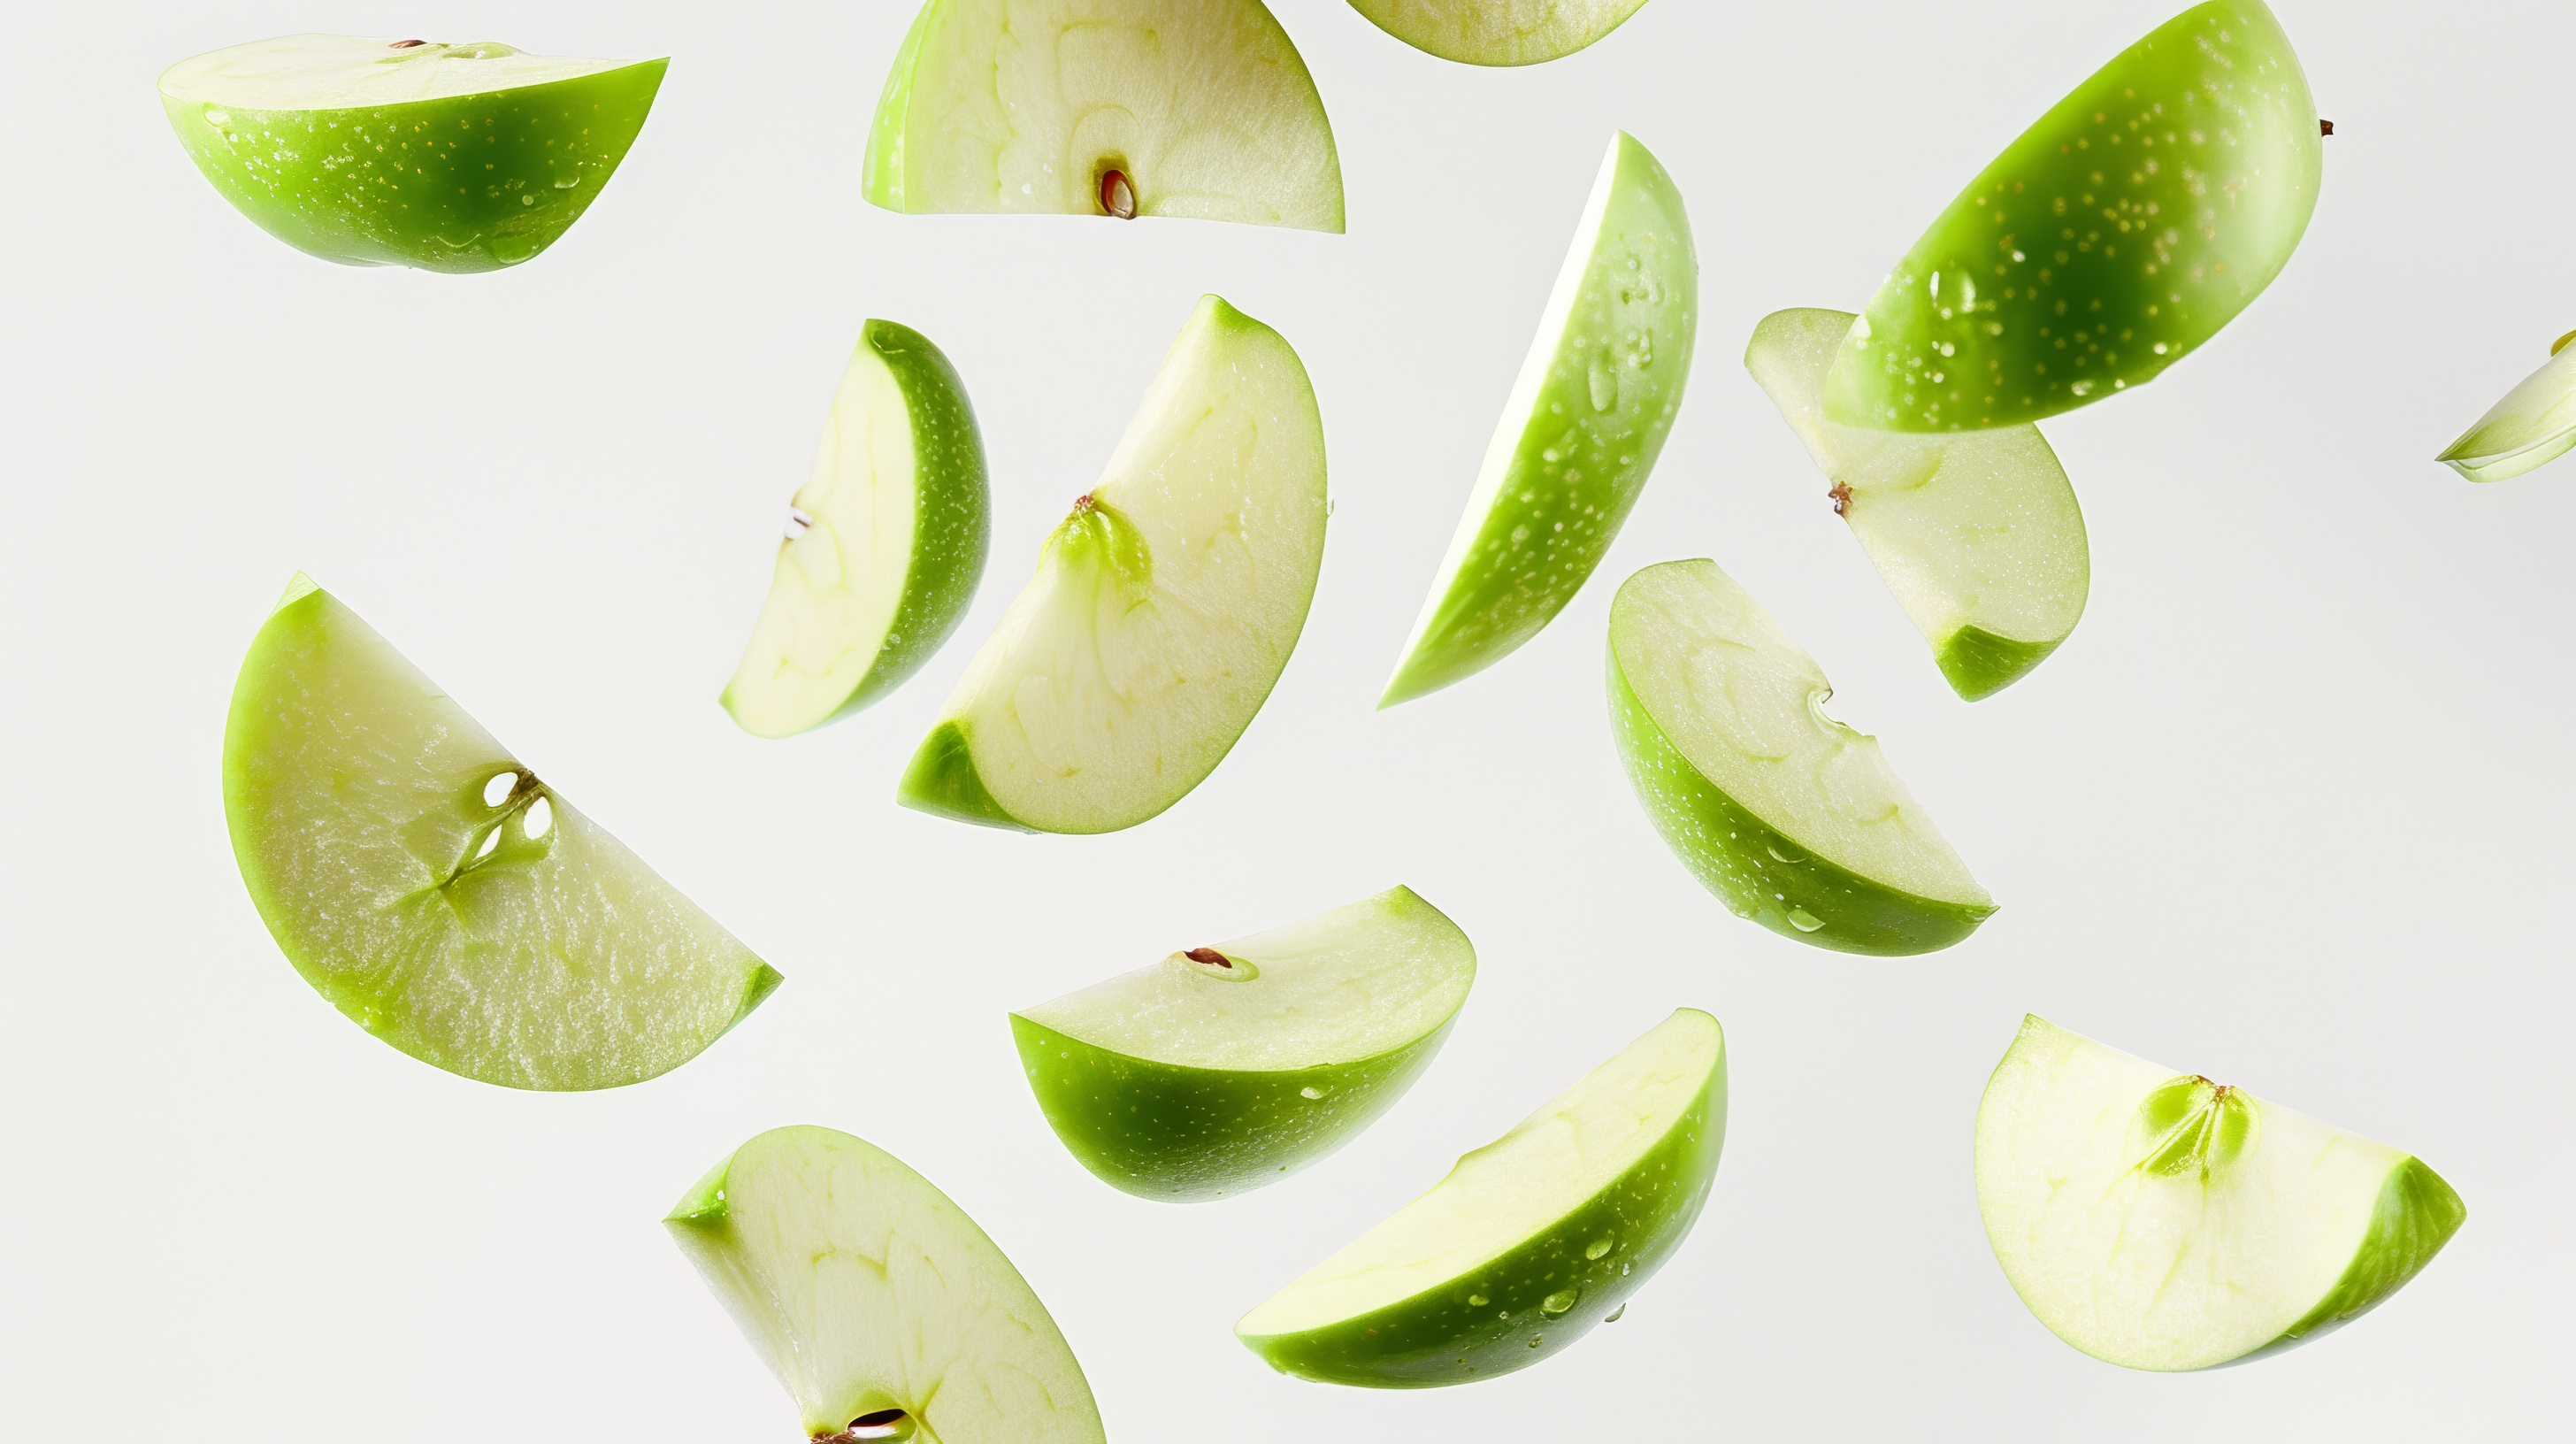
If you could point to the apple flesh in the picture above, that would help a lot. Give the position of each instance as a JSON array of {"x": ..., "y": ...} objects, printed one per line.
[
  {"x": 877, "y": 1302},
  {"x": 1498, "y": 32},
  {"x": 2161, "y": 1221},
  {"x": 1220, "y": 1069},
  {"x": 1163, "y": 609},
  {"x": 1530, "y": 1241},
  {"x": 1794, "y": 820},
  {"x": 2532, "y": 426},
  {"x": 1199, "y": 109},
  {"x": 1977, "y": 534},
  {"x": 405, "y": 153},
  {"x": 888, "y": 542},
  {"x": 1579, "y": 435},
  {"x": 2135, "y": 219},
  {"x": 438, "y": 893}
]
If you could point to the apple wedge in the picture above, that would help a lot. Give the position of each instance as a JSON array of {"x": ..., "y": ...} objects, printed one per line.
[
  {"x": 1220, "y": 1069},
  {"x": 1580, "y": 434},
  {"x": 405, "y": 152},
  {"x": 2161, "y": 1221},
  {"x": 434, "y": 890},
  {"x": 886, "y": 543},
  {"x": 1498, "y": 32},
  {"x": 2532, "y": 426},
  {"x": 2120, "y": 232},
  {"x": 1790, "y": 817},
  {"x": 1199, "y": 109},
  {"x": 1530, "y": 1240},
  {"x": 1977, "y": 534},
  {"x": 882, "y": 1308},
  {"x": 1163, "y": 609}
]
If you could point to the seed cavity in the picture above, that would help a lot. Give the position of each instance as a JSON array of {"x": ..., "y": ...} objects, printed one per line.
[
  {"x": 894, "y": 1424},
  {"x": 799, "y": 521}
]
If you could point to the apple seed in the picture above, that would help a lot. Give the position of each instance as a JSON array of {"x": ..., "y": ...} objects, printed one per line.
[
  {"x": 1117, "y": 197},
  {"x": 1210, "y": 956}
]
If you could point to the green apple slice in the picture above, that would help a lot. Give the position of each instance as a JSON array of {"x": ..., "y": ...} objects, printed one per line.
[
  {"x": 2161, "y": 1221},
  {"x": 426, "y": 882},
  {"x": 407, "y": 153},
  {"x": 1977, "y": 534},
  {"x": 1200, "y": 109},
  {"x": 1220, "y": 1069},
  {"x": 1530, "y": 1240},
  {"x": 1595, "y": 399},
  {"x": 886, "y": 543},
  {"x": 2139, "y": 216},
  {"x": 878, "y": 1303},
  {"x": 2532, "y": 426},
  {"x": 1498, "y": 32},
  {"x": 1163, "y": 609},
  {"x": 1790, "y": 817}
]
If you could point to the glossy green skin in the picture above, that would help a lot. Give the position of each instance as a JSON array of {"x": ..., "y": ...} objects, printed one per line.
[
  {"x": 2116, "y": 235},
  {"x": 2416, "y": 1214},
  {"x": 942, "y": 781},
  {"x": 1760, "y": 873},
  {"x": 1185, "y": 1135},
  {"x": 469, "y": 183},
  {"x": 1613, "y": 387},
  {"x": 1979, "y": 663},
  {"x": 1440, "y": 1337}
]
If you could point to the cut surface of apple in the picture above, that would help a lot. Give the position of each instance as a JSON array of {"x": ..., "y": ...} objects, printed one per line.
[
  {"x": 1220, "y": 1069},
  {"x": 2161, "y": 1221},
  {"x": 888, "y": 540},
  {"x": 437, "y": 892},
  {"x": 1199, "y": 109},
  {"x": 1579, "y": 435},
  {"x": 1976, "y": 533},
  {"x": 368, "y": 152},
  {"x": 1530, "y": 1241},
  {"x": 1163, "y": 609},
  {"x": 1792, "y": 818},
  {"x": 2122, "y": 230},
  {"x": 1498, "y": 32},
  {"x": 2532, "y": 426},
  {"x": 877, "y": 1302}
]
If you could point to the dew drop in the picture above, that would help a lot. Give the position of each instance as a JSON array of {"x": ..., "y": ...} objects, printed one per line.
[
  {"x": 1311, "y": 1091},
  {"x": 1604, "y": 379},
  {"x": 1615, "y": 1313},
  {"x": 1597, "y": 1247},
  {"x": 1477, "y": 1301},
  {"x": 1804, "y": 921},
  {"x": 1559, "y": 1302},
  {"x": 218, "y": 118}
]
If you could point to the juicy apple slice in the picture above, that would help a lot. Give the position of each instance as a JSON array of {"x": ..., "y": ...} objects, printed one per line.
[
  {"x": 2533, "y": 425},
  {"x": 1220, "y": 1069},
  {"x": 1163, "y": 608},
  {"x": 1790, "y": 817},
  {"x": 429, "y": 885},
  {"x": 877, "y": 1302},
  {"x": 404, "y": 152},
  {"x": 1585, "y": 422},
  {"x": 1498, "y": 32},
  {"x": 886, "y": 543},
  {"x": 1200, "y": 109},
  {"x": 2161, "y": 1221},
  {"x": 1530, "y": 1240},
  {"x": 1977, "y": 534},
  {"x": 2121, "y": 231}
]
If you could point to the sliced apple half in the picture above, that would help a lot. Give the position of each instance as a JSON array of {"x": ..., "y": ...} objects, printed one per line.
[
  {"x": 885, "y": 543},
  {"x": 883, "y": 1309},
  {"x": 2533, "y": 425},
  {"x": 1530, "y": 1241},
  {"x": 2161, "y": 1221},
  {"x": 1498, "y": 32},
  {"x": 428, "y": 884},
  {"x": 1792, "y": 818},
  {"x": 1163, "y": 609},
  {"x": 1220, "y": 1069},
  {"x": 1200, "y": 109},
  {"x": 1580, "y": 434},
  {"x": 1976, "y": 533}
]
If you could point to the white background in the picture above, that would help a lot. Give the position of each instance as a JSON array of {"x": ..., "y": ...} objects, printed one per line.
[{"x": 2289, "y": 809}]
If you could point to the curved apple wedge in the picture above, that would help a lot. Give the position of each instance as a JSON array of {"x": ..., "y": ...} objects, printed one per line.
[
  {"x": 887, "y": 543},
  {"x": 1498, "y": 32},
  {"x": 882, "y": 1308},
  {"x": 1790, "y": 817},
  {"x": 1977, "y": 534},
  {"x": 2160, "y": 1221},
  {"x": 1199, "y": 109},
  {"x": 1530, "y": 1241},
  {"x": 434, "y": 890},
  {"x": 2534, "y": 424},
  {"x": 1220, "y": 1069},
  {"x": 1164, "y": 607}
]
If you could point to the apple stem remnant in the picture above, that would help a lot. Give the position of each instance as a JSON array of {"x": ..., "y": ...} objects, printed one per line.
[
  {"x": 1209, "y": 956},
  {"x": 1117, "y": 197},
  {"x": 1842, "y": 495},
  {"x": 2325, "y": 127}
]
